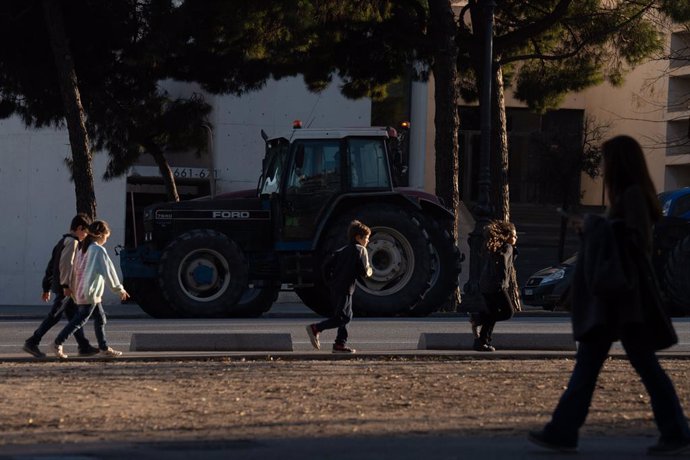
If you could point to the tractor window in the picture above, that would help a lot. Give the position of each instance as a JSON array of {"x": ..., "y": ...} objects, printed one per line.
[
  {"x": 368, "y": 165},
  {"x": 315, "y": 167}
]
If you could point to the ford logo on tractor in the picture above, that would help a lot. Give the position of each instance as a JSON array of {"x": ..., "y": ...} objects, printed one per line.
[{"x": 231, "y": 214}]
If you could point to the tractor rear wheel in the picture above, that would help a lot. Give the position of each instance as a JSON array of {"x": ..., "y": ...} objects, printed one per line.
[
  {"x": 400, "y": 256},
  {"x": 203, "y": 273}
]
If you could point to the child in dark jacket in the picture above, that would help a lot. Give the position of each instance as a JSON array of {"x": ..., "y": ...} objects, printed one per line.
[
  {"x": 349, "y": 263},
  {"x": 496, "y": 283},
  {"x": 56, "y": 280}
]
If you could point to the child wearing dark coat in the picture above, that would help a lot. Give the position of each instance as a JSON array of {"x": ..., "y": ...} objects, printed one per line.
[
  {"x": 349, "y": 263},
  {"x": 496, "y": 283}
]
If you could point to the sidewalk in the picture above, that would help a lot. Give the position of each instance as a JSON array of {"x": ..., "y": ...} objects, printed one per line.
[{"x": 437, "y": 446}]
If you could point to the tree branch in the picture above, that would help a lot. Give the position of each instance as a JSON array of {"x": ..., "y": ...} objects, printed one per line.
[{"x": 532, "y": 30}]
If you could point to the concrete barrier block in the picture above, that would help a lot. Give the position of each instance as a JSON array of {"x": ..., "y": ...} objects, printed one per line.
[
  {"x": 548, "y": 341},
  {"x": 188, "y": 341}
]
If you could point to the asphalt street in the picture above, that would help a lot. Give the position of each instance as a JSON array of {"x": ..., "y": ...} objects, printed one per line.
[{"x": 373, "y": 338}]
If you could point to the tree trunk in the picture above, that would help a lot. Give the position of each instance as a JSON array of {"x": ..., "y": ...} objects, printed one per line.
[
  {"x": 166, "y": 173},
  {"x": 82, "y": 172},
  {"x": 499, "y": 149},
  {"x": 443, "y": 31}
]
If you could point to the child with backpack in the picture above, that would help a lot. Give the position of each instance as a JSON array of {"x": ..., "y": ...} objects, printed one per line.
[
  {"x": 56, "y": 280},
  {"x": 342, "y": 270},
  {"x": 91, "y": 271}
]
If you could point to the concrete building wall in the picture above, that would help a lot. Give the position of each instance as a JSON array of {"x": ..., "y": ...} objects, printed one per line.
[{"x": 37, "y": 204}]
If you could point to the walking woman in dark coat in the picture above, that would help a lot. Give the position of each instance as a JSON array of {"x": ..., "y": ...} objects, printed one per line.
[{"x": 615, "y": 297}]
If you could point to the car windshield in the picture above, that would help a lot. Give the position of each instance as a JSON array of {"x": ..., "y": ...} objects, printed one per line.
[{"x": 276, "y": 153}]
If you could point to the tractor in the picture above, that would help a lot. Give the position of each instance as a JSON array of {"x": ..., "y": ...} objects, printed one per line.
[{"x": 230, "y": 255}]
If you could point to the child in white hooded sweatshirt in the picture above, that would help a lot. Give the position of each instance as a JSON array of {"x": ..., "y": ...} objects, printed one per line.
[{"x": 91, "y": 271}]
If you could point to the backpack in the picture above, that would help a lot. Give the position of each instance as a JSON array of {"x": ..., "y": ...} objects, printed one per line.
[
  {"x": 53, "y": 267},
  {"x": 329, "y": 264}
]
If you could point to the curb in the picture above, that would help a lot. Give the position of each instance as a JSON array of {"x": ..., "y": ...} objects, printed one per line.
[
  {"x": 549, "y": 341},
  {"x": 210, "y": 341}
]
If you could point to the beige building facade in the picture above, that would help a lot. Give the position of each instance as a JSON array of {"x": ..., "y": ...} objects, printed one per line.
[{"x": 652, "y": 105}]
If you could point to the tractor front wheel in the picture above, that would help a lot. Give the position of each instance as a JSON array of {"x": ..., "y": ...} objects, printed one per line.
[{"x": 203, "y": 273}]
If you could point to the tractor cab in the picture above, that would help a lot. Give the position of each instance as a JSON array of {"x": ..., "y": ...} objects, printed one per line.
[{"x": 307, "y": 174}]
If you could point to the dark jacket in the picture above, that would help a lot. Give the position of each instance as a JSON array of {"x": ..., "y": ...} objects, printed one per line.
[
  {"x": 614, "y": 284},
  {"x": 350, "y": 263},
  {"x": 497, "y": 270}
]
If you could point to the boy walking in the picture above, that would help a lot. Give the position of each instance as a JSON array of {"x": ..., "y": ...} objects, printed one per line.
[
  {"x": 348, "y": 263},
  {"x": 56, "y": 280}
]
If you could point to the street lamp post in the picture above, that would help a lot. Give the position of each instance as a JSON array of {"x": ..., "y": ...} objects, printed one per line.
[{"x": 482, "y": 210}]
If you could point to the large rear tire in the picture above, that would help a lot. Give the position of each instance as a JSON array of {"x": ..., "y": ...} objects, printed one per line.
[
  {"x": 399, "y": 253},
  {"x": 446, "y": 266},
  {"x": 677, "y": 278},
  {"x": 203, "y": 273}
]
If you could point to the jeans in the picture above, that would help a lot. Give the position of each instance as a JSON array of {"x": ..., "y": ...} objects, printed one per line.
[
  {"x": 54, "y": 317},
  {"x": 80, "y": 319},
  {"x": 572, "y": 409},
  {"x": 342, "y": 314}
]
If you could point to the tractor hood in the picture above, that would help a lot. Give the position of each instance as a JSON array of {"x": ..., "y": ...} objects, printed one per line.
[{"x": 248, "y": 193}]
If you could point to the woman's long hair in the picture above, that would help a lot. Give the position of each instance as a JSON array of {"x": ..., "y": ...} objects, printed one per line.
[
  {"x": 497, "y": 233},
  {"x": 625, "y": 166},
  {"x": 96, "y": 230}
]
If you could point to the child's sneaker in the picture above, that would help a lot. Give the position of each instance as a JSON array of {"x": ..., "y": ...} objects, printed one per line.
[
  {"x": 110, "y": 352},
  {"x": 33, "y": 349},
  {"x": 59, "y": 352},
  {"x": 340, "y": 348},
  {"x": 313, "y": 336}
]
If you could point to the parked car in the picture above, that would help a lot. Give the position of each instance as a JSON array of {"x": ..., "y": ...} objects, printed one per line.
[
  {"x": 676, "y": 203},
  {"x": 549, "y": 288}
]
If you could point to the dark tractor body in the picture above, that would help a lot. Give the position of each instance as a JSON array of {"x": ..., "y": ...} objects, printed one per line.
[{"x": 230, "y": 255}]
